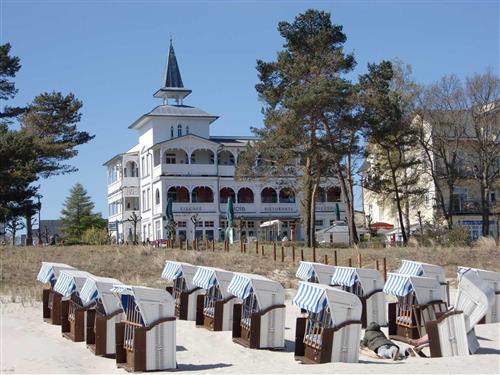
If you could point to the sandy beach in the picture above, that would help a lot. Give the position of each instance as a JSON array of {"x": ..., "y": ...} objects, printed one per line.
[{"x": 31, "y": 346}]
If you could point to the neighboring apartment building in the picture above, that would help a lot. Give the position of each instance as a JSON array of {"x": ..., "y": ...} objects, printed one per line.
[
  {"x": 466, "y": 195},
  {"x": 177, "y": 157}
]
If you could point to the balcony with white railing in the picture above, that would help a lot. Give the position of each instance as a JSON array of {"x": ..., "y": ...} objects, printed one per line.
[
  {"x": 227, "y": 170},
  {"x": 123, "y": 183},
  {"x": 193, "y": 208}
]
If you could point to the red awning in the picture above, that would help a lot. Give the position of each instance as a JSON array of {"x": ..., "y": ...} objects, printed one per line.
[{"x": 380, "y": 225}]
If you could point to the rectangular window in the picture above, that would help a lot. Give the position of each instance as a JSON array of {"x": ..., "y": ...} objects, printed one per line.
[
  {"x": 148, "y": 198},
  {"x": 143, "y": 170},
  {"x": 144, "y": 208},
  {"x": 250, "y": 224},
  {"x": 332, "y": 221},
  {"x": 170, "y": 159},
  {"x": 144, "y": 235},
  {"x": 149, "y": 231},
  {"x": 157, "y": 229},
  {"x": 181, "y": 224},
  {"x": 318, "y": 223},
  {"x": 209, "y": 224}
]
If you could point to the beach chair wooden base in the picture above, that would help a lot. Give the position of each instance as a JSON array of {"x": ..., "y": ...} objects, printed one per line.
[
  {"x": 51, "y": 311},
  {"x": 74, "y": 329},
  {"x": 182, "y": 306},
  {"x": 215, "y": 322},
  {"x": 97, "y": 333}
]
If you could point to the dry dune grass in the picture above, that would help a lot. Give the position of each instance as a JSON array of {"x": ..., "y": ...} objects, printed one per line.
[{"x": 143, "y": 265}]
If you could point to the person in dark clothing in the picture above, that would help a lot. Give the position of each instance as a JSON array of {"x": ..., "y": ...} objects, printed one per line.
[{"x": 375, "y": 340}]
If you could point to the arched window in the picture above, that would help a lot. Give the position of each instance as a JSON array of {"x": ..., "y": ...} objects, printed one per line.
[
  {"x": 333, "y": 194},
  {"x": 287, "y": 195},
  {"x": 179, "y": 130},
  {"x": 171, "y": 132},
  {"x": 225, "y": 157},
  {"x": 178, "y": 194},
  {"x": 157, "y": 196},
  {"x": 175, "y": 156},
  {"x": 202, "y": 194},
  {"x": 225, "y": 193},
  {"x": 202, "y": 156},
  {"x": 245, "y": 195},
  {"x": 268, "y": 195},
  {"x": 187, "y": 129}
]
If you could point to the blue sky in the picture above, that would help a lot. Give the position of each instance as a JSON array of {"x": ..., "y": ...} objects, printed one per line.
[{"x": 111, "y": 55}]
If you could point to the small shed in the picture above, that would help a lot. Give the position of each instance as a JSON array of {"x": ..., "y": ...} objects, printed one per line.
[
  {"x": 259, "y": 321},
  {"x": 315, "y": 272},
  {"x": 331, "y": 330},
  {"x": 491, "y": 278},
  {"x": 419, "y": 301},
  {"x": 101, "y": 319},
  {"x": 146, "y": 337},
  {"x": 413, "y": 268},
  {"x": 51, "y": 301},
  {"x": 214, "y": 308},
  {"x": 184, "y": 291},
  {"x": 368, "y": 285},
  {"x": 475, "y": 298},
  {"x": 73, "y": 311}
]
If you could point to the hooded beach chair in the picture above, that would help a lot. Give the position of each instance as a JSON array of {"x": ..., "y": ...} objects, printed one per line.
[
  {"x": 331, "y": 330},
  {"x": 368, "y": 285},
  {"x": 73, "y": 311},
  {"x": 183, "y": 290},
  {"x": 315, "y": 272},
  {"x": 413, "y": 268},
  {"x": 419, "y": 301},
  {"x": 48, "y": 274},
  {"x": 259, "y": 321},
  {"x": 474, "y": 297},
  {"x": 214, "y": 309},
  {"x": 101, "y": 319},
  {"x": 492, "y": 279},
  {"x": 145, "y": 339}
]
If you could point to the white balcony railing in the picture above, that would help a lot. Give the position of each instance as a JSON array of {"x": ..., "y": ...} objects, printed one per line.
[{"x": 124, "y": 182}]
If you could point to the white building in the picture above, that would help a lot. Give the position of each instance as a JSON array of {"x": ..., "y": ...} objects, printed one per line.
[{"x": 177, "y": 158}]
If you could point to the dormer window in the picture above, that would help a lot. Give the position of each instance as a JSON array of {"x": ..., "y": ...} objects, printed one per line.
[
  {"x": 171, "y": 132},
  {"x": 179, "y": 130}
]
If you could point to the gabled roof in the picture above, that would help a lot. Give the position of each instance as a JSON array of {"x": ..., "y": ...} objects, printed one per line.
[{"x": 180, "y": 110}]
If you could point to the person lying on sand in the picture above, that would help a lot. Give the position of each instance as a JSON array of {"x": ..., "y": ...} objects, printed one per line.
[{"x": 376, "y": 341}]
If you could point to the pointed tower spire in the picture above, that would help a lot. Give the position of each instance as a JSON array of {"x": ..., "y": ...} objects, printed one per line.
[{"x": 172, "y": 81}]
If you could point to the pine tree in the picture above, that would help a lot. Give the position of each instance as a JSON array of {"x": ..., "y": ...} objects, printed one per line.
[{"x": 77, "y": 215}]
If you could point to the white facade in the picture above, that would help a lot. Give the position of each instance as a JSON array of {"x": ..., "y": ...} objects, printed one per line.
[{"x": 176, "y": 157}]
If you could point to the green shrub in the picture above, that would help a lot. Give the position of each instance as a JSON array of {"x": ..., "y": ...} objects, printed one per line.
[{"x": 96, "y": 236}]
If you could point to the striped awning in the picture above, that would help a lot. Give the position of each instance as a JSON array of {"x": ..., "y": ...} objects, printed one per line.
[
  {"x": 240, "y": 286},
  {"x": 305, "y": 271},
  {"x": 65, "y": 284},
  {"x": 411, "y": 268},
  {"x": 171, "y": 271},
  {"x": 122, "y": 290},
  {"x": 345, "y": 276},
  {"x": 310, "y": 297},
  {"x": 204, "y": 278},
  {"x": 89, "y": 293},
  {"x": 46, "y": 273},
  {"x": 398, "y": 285}
]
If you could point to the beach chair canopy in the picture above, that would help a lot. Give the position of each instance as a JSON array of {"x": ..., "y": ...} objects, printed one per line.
[
  {"x": 426, "y": 289},
  {"x": 370, "y": 279},
  {"x": 322, "y": 272},
  {"x": 97, "y": 287},
  {"x": 268, "y": 292},
  {"x": 474, "y": 296},
  {"x": 173, "y": 270},
  {"x": 49, "y": 272},
  {"x": 413, "y": 268},
  {"x": 70, "y": 281},
  {"x": 153, "y": 303},
  {"x": 314, "y": 297},
  {"x": 207, "y": 277},
  {"x": 490, "y": 277}
]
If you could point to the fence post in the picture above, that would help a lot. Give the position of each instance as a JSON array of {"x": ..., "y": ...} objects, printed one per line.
[
  {"x": 326, "y": 258},
  {"x": 376, "y": 264},
  {"x": 314, "y": 253},
  {"x": 293, "y": 254},
  {"x": 274, "y": 252},
  {"x": 241, "y": 246},
  {"x": 302, "y": 254},
  {"x": 359, "y": 261},
  {"x": 244, "y": 248},
  {"x": 213, "y": 245},
  {"x": 385, "y": 269},
  {"x": 282, "y": 254},
  {"x": 257, "y": 247},
  {"x": 262, "y": 250},
  {"x": 335, "y": 259},
  {"x": 350, "y": 262},
  {"x": 187, "y": 244}
]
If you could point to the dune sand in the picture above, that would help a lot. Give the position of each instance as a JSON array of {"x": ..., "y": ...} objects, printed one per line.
[{"x": 28, "y": 345}]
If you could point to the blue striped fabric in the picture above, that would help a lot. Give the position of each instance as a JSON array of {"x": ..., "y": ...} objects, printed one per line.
[
  {"x": 311, "y": 297},
  {"x": 46, "y": 273},
  {"x": 398, "y": 285},
  {"x": 305, "y": 271},
  {"x": 345, "y": 276},
  {"x": 65, "y": 284},
  {"x": 240, "y": 286},
  {"x": 204, "y": 278},
  {"x": 89, "y": 293},
  {"x": 171, "y": 271},
  {"x": 411, "y": 268}
]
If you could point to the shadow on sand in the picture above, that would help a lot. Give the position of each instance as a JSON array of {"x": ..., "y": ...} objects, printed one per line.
[{"x": 191, "y": 367}]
